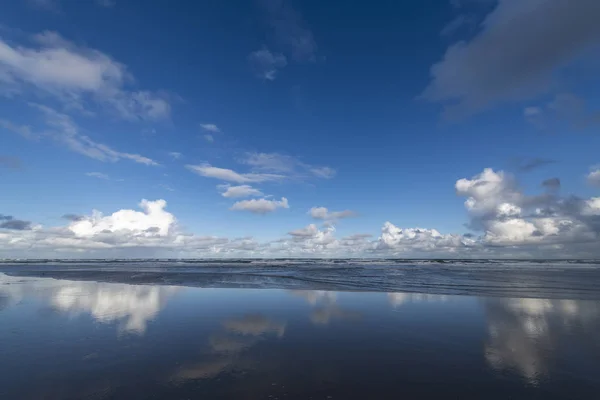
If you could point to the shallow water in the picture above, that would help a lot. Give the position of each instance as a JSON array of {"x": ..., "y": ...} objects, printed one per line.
[{"x": 74, "y": 339}]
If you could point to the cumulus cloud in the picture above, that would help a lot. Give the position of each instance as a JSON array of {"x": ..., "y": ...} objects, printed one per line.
[
  {"x": 77, "y": 76},
  {"x": 593, "y": 178},
  {"x": 238, "y": 191},
  {"x": 229, "y": 175},
  {"x": 123, "y": 233},
  {"x": 306, "y": 232},
  {"x": 210, "y": 128},
  {"x": 260, "y": 206},
  {"x": 265, "y": 64},
  {"x": 406, "y": 240},
  {"x": 324, "y": 214},
  {"x": 506, "y": 222},
  {"x": 310, "y": 240},
  {"x": 486, "y": 191},
  {"x": 507, "y": 216},
  {"x": 154, "y": 220},
  {"x": 512, "y": 58}
]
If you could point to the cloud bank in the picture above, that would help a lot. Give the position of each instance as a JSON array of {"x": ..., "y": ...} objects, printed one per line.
[{"x": 504, "y": 222}]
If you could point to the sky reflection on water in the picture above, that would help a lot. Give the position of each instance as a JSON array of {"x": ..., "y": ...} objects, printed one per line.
[{"x": 77, "y": 339}]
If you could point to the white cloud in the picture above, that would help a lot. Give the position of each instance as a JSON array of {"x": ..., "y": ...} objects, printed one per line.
[
  {"x": 76, "y": 76},
  {"x": 324, "y": 214},
  {"x": 266, "y": 64},
  {"x": 154, "y": 220},
  {"x": 175, "y": 155},
  {"x": 209, "y": 138},
  {"x": 285, "y": 164},
  {"x": 239, "y": 191},
  {"x": 124, "y": 233},
  {"x": 229, "y": 175},
  {"x": 310, "y": 241},
  {"x": 210, "y": 128},
  {"x": 508, "y": 217},
  {"x": 592, "y": 206},
  {"x": 486, "y": 191},
  {"x": 308, "y": 231},
  {"x": 62, "y": 129},
  {"x": 260, "y": 206},
  {"x": 409, "y": 240},
  {"x": 507, "y": 222},
  {"x": 98, "y": 175},
  {"x": 593, "y": 178}
]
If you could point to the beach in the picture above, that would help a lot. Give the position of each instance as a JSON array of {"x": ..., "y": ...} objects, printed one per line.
[{"x": 96, "y": 335}]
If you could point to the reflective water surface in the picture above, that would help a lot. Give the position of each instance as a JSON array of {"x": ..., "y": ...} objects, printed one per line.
[{"x": 62, "y": 339}]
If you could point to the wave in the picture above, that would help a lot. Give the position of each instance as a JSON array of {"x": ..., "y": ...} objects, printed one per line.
[{"x": 564, "y": 279}]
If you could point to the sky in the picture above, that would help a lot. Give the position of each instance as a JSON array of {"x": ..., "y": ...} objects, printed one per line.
[{"x": 288, "y": 128}]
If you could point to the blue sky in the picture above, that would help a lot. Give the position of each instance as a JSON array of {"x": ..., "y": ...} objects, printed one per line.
[{"x": 377, "y": 110}]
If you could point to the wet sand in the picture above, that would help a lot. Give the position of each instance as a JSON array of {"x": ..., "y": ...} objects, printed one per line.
[{"x": 76, "y": 339}]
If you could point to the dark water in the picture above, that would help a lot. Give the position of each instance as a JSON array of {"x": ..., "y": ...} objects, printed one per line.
[
  {"x": 568, "y": 279},
  {"x": 83, "y": 339}
]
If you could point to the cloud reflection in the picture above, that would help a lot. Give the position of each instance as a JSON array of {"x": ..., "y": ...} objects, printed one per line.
[
  {"x": 398, "y": 299},
  {"x": 131, "y": 306},
  {"x": 524, "y": 335},
  {"x": 227, "y": 347},
  {"x": 255, "y": 325},
  {"x": 325, "y": 306}
]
